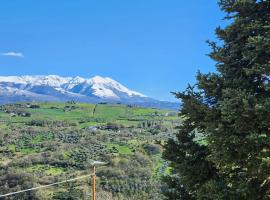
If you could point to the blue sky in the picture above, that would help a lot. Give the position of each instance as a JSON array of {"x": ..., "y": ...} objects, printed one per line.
[{"x": 152, "y": 46}]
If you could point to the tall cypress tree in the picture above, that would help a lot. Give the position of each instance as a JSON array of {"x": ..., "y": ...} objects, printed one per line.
[{"x": 230, "y": 109}]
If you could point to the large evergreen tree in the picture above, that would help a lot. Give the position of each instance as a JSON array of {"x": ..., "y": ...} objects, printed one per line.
[{"x": 230, "y": 110}]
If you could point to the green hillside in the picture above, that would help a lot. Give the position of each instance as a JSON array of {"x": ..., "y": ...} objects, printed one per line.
[{"x": 41, "y": 143}]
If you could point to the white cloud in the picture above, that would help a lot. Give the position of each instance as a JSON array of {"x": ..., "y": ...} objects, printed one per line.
[{"x": 13, "y": 54}]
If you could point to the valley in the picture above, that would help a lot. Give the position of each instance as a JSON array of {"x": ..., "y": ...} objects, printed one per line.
[{"x": 41, "y": 143}]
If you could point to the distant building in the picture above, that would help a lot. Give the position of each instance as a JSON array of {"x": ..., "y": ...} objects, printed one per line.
[
  {"x": 12, "y": 114},
  {"x": 92, "y": 128}
]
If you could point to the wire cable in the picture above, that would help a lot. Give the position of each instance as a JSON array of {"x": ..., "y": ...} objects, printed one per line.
[{"x": 44, "y": 186}]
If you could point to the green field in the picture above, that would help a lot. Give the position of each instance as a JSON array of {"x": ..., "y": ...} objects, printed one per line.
[{"x": 41, "y": 143}]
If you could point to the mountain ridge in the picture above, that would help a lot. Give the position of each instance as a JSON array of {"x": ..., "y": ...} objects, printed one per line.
[{"x": 56, "y": 88}]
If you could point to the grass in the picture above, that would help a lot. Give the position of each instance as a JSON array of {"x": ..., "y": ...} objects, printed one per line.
[
  {"x": 110, "y": 113},
  {"x": 54, "y": 171},
  {"x": 3, "y": 127},
  {"x": 202, "y": 142},
  {"x": 87, "y": 124},
  {"x": 107, "y": 112},
  {"x": 23, "y": 150},
  {"x": 121, "y": 149},
  {"x": 12, "y": 148},
  {"x": 41, "y": 138},
  {"x": 66, "y": 155},
  {"x": 48, "y": 170},
  {"x": 28, "y": 150}
]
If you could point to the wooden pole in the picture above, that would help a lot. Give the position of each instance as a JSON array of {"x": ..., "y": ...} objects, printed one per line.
[{"x": 94, "y": 183}]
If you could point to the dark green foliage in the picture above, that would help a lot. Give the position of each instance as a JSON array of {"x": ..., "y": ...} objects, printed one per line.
[
  {"x": 189, "y": 161},
  {"x": 152, "y": 149},
  {"x": 112, "y": 126},
  {"x": 72, "y": 193},
  {"x": 13, "y": 181},
  {"x": 175, "y": 190},
  {"x": 231, "y": 109}
]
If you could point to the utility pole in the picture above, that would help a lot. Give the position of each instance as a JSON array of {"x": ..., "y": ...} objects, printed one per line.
[
  {"x": 94, "y": 183},
  {"x": 94, "y": 164}
]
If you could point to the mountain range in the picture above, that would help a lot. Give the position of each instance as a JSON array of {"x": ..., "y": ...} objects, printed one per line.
[{"x": 56, "y": 88}]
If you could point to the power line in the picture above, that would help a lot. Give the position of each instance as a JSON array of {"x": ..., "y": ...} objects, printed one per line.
[{"x": 45, "y": 186}]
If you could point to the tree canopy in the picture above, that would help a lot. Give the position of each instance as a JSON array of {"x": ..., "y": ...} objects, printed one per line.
[{"x": 222, "y": 149}]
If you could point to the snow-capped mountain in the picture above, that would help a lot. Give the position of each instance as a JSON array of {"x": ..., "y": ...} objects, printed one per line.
[{"x": 57, "y": 88}]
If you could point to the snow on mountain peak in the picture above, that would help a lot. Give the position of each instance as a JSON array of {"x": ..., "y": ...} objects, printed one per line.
[
  {"x": 56, "y": 88},
  {"x": 109, "y": 87},
  {"x": 51, "y": 80},
  {"x": 97, "y": 79},
  {"x": 102, "y": 87}
]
